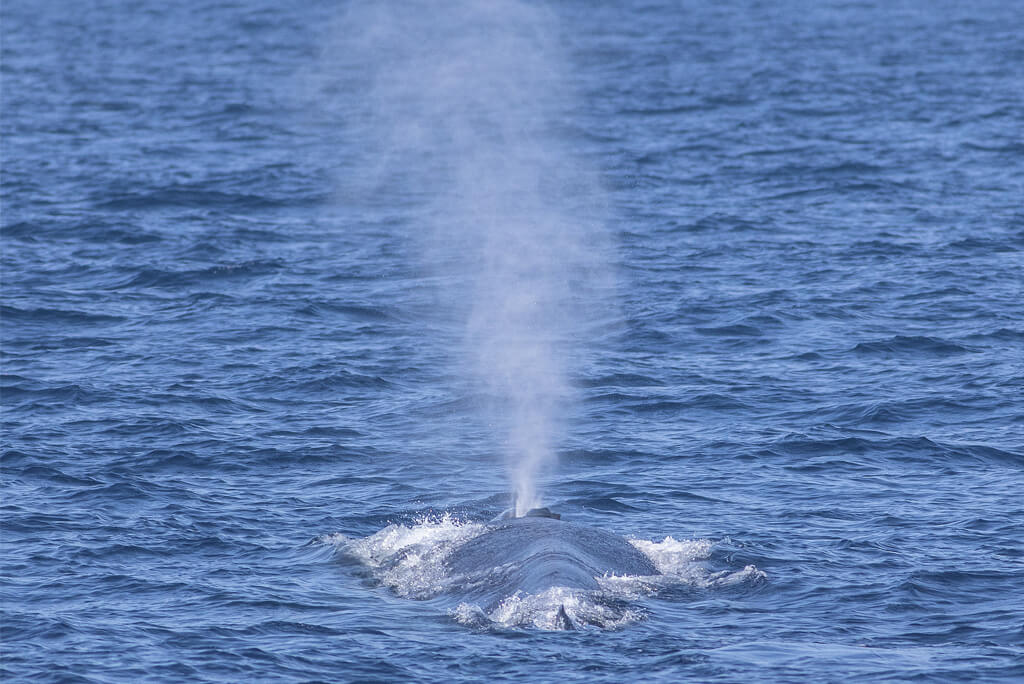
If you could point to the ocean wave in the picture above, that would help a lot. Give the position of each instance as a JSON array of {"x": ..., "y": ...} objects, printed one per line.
[{"x": 911, "y": 344}]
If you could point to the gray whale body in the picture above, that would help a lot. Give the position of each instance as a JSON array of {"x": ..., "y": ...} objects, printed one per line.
[{"x": 532, "y": 554}]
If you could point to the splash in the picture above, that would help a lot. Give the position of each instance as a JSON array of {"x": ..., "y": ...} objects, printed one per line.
[
  {"x": 409, "y": 559},
  {"x": 459, "y": 119},
  {"x": 540, "y": 611},
  {"x": 678, "y": 561}
]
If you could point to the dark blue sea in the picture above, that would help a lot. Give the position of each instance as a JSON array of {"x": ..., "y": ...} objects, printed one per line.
[{"x": 297, "y": 297}]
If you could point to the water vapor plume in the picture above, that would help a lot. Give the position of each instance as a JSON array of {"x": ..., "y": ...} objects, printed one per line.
[{"x": 462, "y": 111}]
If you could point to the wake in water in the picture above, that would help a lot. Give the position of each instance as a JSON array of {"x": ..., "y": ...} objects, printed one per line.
[{"x": 434, "y": 559}]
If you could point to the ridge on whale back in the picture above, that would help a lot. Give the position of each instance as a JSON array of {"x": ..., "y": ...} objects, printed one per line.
[
  {"x": 540, "y": 551},
  {"x": 510, "y": 513}
]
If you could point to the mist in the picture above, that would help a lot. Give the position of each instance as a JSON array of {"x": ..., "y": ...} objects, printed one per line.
[{"x": 459, "y": 114}]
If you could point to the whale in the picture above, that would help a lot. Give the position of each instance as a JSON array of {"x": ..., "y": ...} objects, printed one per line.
[{"x": 531, "y": 554}]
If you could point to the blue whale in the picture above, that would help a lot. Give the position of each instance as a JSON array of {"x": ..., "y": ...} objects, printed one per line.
[{"x": 531, "y": 554}]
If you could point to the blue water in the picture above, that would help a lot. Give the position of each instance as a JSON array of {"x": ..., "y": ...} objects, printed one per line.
[{"x": 233, "y": 417}]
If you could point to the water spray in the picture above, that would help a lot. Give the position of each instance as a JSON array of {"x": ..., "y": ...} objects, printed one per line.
[{"x": 463, "y": 109}]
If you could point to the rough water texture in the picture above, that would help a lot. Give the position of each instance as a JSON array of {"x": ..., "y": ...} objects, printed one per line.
[{"x": 225, "y": 376}]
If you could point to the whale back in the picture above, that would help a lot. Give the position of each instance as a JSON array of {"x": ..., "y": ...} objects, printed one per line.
[{"x": 533, "y": 554}]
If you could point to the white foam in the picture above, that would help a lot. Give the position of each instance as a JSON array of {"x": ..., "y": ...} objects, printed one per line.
[
  {"x": 585, "y": 609},
  {"x": 410, "y": 559},
  {"x": 632, "y": 587},
  {"x": 671, "y": 556},
  {"x": 748, "y": 574},
  {"x": 680, "y": 562}
]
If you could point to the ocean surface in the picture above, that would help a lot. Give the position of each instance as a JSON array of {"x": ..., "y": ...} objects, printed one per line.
[{"x": 247, "y": 415}]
